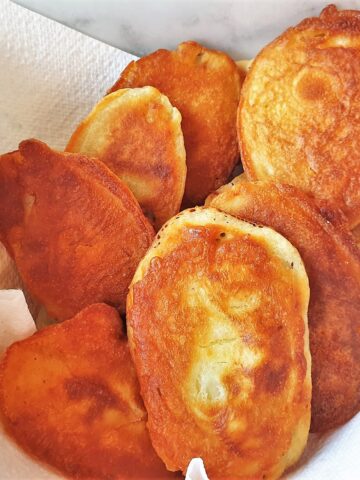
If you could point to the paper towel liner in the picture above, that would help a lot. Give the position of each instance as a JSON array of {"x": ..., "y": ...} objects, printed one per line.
[{"x": 51, "y": 77}]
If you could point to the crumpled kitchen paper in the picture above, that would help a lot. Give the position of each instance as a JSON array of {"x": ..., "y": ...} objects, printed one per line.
[{"x": 51, "y": 76}]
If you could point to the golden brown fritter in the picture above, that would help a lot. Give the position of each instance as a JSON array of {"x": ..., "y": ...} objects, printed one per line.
[
  {"x": 75, "y": 231},
  {"x": 332, "y": 263},
  {"x": 205, "y": 86},
  {"x": 217, "y": 325},
  {"x": 69, "y": 397},
  {"x": 298, "y": 120},
  {"x": 137, "y": 134}
]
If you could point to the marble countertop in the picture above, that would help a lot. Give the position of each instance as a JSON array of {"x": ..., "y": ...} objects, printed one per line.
[{"x": 240, "y": 27}]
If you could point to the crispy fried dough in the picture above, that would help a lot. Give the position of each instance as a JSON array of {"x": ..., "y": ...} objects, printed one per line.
[
  {"x": 298, "y": 120},
  {"x": 75, "y": 230},
  {"x": 332, "y": 263},
  {"x": 137, "y": 134},
  {"x": 205, "y": 86},
  {"x": 217, "y": 325},
  {"x": 69, "y": 396}
]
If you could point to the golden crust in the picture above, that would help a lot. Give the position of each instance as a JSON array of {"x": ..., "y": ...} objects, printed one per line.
[
  {"x": 298, "y": 119},
  {"x": 75, "y": 230},
  {"x": 332, "y": 263},
  {"x": 137, "y": 134},
  {"x": 217, "y": 325},
  {"x": 205, "y": 86},
  {"x": 69, "y": 397}
]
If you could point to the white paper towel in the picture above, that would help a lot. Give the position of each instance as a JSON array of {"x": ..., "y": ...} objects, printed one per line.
[
  {"x": 50, "y": 78},
  {"x": 16, "y": 322}
]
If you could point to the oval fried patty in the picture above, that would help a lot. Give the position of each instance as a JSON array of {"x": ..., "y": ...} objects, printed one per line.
[
  {"x": 217, "y": 324},
  {"x": 298, "y": 120},
  {"x": 332, "y": 263},
  {"x": 69, "y": 397},
  {"x": 137, "y": 134},
  {"x": 75, "y": 230},
  {"x": 205, "y": 86}
]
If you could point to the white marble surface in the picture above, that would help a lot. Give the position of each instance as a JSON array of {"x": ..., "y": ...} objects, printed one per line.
[{"x": 240, "y": 27}]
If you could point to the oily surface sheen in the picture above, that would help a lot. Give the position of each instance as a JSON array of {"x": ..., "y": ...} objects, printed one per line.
[
  {"x": 74, "y": 229},
  {"x": 217, "y": 323},
  {"x": 332, "y": 263},
  {"x": 298, "y": 119},
  {"x": 205, "y": 86},
  {"x": 137, "y": 134},
  {"x": 70, "y": 397}
]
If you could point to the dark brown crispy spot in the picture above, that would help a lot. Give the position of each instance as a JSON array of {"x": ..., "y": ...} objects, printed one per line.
[
  {"x": 150, "y": 216},
  {"x": 272, "y": 379},
  {"x": 102, "y": 397}
]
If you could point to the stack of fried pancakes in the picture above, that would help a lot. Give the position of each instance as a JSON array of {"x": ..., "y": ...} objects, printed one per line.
[{"x": 242, "y": 312}]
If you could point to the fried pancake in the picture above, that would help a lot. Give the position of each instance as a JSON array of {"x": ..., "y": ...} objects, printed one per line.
[
  {"x": 69, "y": 397},
  {"x": 217, "y": 325},
  {"x": 298, "y": 119},
  {"x": 205, "y": 86},
  {"x": 332, "y": 263},
  {"x": 137, "y": 134},
  {"x": 75, "y": 231}
]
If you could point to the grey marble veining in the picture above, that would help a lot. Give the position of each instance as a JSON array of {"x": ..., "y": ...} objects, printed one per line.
[{"x": 240, "y": 27}]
